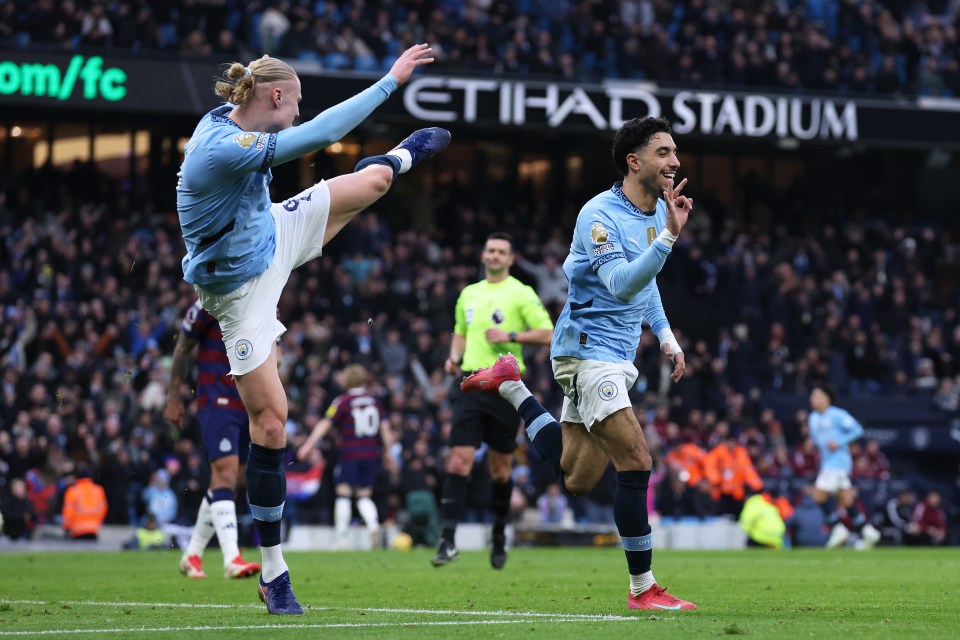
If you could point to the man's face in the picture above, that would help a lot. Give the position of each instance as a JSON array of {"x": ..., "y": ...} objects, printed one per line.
[
  {"x": 286, "y": 97},
  {"x": 497, "y": 256},
  {"x": 819, "y": 400},
  {"x": 656, "y": 163}
]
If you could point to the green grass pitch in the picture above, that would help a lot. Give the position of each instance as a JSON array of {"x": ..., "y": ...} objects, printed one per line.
[{"x": 542, "y": 593}]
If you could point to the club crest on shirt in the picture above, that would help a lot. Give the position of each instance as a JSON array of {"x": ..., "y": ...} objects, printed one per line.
[
  {"x": 497, "y": 316},
  {"x": 598, "y": 233},
  {"x": 245, "y": 140}
]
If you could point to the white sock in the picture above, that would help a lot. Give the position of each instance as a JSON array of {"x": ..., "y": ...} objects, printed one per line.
[
  {"x": 342, "y": 512},
  {"x": 273, "y": 563},
  {"x": 203, "y": 530},
  {"x": 514, "y": 392},
  {"x": 406, "y": 160},
  {"x": 224, "y": 514},
  {"x": 642, "y": 582},
  {"x": 368, "y": 511}
]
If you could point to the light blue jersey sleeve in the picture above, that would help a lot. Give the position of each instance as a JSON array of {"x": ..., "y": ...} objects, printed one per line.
[
  {"x": 848, "y": 429},
  {"x": 250, "y": 151},
  {"x": 623, "y": 279},
  {"x": 332, "y": 124},
  {"x": 653, "y": 313}
]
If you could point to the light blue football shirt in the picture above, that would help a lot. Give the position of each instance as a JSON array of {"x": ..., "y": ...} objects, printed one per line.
[
  {"x": 838, "y": 425},
  {"x": 611, "y": 269},
  {"x": 223, "y": 191}
]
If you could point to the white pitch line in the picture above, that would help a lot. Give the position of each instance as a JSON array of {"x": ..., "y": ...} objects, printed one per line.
[
  {"x": 442, "y": 612},
  {"x": 248, "y": 627}
]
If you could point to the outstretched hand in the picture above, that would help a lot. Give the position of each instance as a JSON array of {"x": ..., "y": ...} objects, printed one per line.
[
  {"x": 679, "y": 362},
  {"x": 678, "y": 207},
  {"x": 409, "y": 60}
]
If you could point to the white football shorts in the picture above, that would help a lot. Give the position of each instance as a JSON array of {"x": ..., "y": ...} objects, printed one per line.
[
  {"x": 592, "y": 389},
  {"x": 248, "y": 316},
  {"x": 832, "y": 480}
]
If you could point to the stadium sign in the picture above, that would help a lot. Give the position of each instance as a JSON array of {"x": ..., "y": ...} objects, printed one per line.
[
  {"x": 439, "y": 99},
  {"x": 34, "y": 81},
  {"x": 51, "y": 81}
]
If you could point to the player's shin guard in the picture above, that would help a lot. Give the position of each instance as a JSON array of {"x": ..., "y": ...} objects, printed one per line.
[
  {"x": 545, "y": 435},
  {"x": 501, "y": 504},
  {"x": 630, "y": 515},
  {"x": 387, "y": 160},
  {"x": 452, "y": 503},
  {"x": 267, "y": 491}
]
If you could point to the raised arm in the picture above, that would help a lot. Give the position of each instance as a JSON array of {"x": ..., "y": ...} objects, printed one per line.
[{"x": 337, "y": 121}]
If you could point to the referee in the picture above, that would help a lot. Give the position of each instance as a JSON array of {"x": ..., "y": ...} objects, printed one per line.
[{"x": 497, "y": 315}]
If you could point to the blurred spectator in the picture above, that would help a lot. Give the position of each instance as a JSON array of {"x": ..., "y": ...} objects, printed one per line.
[
  {"x": 17, "y": 510},
  {"x": 553, "y": 507},
  {"x": 160, "y": 500},
  {"x": 730, "y": 472},
  {"x": 930, "y": 522},
  {"x": 84, "y": 508},
  {"x": 896, "y": 521},
  {"x": 808, "y": 525}
]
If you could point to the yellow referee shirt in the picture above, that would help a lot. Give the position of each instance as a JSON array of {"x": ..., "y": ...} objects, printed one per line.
[{"x": 508, "y": 305}]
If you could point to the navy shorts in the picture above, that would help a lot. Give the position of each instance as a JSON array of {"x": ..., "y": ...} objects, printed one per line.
[
  {"x": 361, "y": 474},
  {"x": 483, "y": 417},
  {"x": 225, "y": 432}
]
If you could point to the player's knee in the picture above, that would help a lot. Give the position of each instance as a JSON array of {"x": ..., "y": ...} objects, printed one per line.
[
  {"x": 380, "y": 179},
  {"x": 460, "y": 465},
  {"x": 225, "y": 479},
  {"x": 576, "y": 486},
  {"x": 267, "y": 430}
]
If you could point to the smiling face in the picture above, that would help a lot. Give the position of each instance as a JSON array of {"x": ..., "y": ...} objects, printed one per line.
[{"x": 655, "y": 164}]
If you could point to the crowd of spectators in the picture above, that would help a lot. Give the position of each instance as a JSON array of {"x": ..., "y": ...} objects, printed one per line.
[
  {"x": 92, "y": 295},
  {"x": 855, "y": 46}
]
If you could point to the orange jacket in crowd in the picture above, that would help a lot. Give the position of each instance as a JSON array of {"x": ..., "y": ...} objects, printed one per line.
[
  {"x": 84, "y": 508},
  {"x": 729, "y": 471},
  {"x": 687, "y": 457}
]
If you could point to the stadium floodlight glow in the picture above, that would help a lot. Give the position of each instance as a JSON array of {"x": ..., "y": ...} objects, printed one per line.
[{"x": 50, "y": 81}]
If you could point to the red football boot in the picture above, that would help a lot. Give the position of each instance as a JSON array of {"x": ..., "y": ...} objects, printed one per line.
[
  {"x": 658, "y": 598},
  {"x": 489, "y": 379}
]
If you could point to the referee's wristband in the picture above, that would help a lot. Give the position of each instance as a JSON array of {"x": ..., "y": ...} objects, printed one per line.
[{"x": 513, "y": 336}]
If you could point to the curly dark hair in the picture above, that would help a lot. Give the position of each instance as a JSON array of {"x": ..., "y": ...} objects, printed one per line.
[
  {"x": 826, "y": 388},
  {"x": 633, "y": 136}
]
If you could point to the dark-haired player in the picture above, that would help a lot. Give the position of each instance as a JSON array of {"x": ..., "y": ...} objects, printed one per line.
[{"x": 622, "y": 239}]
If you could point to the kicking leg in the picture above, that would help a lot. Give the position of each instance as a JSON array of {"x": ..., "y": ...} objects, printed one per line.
[{"x": 351, "y": 194}]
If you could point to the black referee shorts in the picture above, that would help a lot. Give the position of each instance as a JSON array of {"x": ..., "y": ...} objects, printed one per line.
[{"x": 483, "y": 417}]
